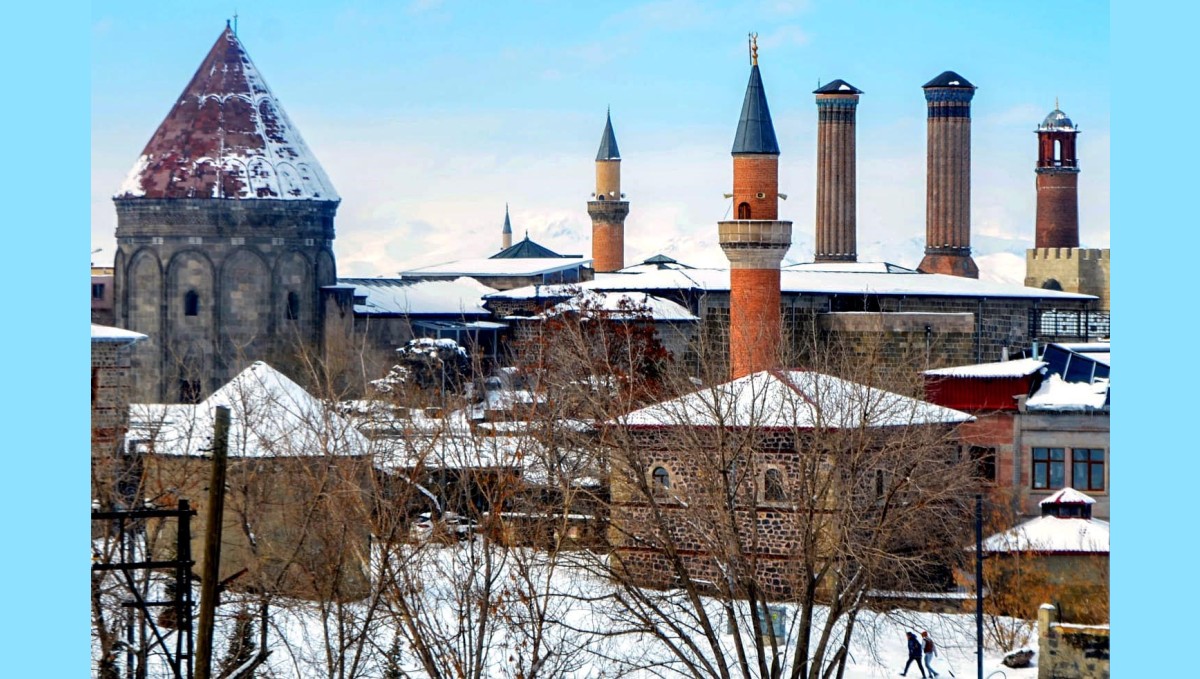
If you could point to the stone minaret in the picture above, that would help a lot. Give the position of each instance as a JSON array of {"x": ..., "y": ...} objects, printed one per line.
[
  {"x": 948, "y": 177},
  {"x": 506, "y": 234},
  {"x": 756, "y": 241},
  {"x": 224, "y": 237},
  {"x": 609, "y": 209},
  {"x": 1057, "y": 183},
  {"x": 836, "y": 176}
]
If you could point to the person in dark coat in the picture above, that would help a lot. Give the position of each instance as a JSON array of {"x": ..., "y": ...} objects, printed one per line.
[{"x": 914, "y": 653}]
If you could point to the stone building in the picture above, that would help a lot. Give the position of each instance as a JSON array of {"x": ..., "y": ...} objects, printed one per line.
[
  {"x": 224, "y": 235},
  {"x": 111, "y": 359}
]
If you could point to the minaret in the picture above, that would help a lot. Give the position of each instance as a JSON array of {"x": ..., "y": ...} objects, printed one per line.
[
  {"x": 1057, "y": 183},
  {"x": 609, "y": 209},
  {"x": 948, "y": 177},
  {"x": 756, "y": 241},
  {"x": 506, "y": 234},
  {"x": 837, "y": 103}
]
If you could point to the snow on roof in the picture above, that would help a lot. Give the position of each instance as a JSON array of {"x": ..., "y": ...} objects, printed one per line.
[
  {"x": 107, "y": 333},
  {"x": 792, "y": 399},
  {"x": 1052, "y": 534},
  {"x": 461, "y": 296},
  {"x": 623, "y": 306},
  {"x": 270, "y": 416},
  {"x": 830, "y": 279},
  {"x": 1068, "y": 496},
  {"x": 227, "y": 136},
  {"x": 1055, "y": 394},
  {"x": 484, "y": 266},
  {"x": 849, "y": 267},
  {"x": 1021, "y": 367}
]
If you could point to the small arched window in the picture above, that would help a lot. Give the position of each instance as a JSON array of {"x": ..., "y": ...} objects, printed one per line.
[
  {"x": 773, "y": 486},
  {"x": 599, "y": 196},
  {"x": 661, "y": 478},
  {"x": 293, "y": 306},
  {"x": 191, "y": 303},
  {"x": 1052, "y": 284},
  {"x": 743, "y": 211}
]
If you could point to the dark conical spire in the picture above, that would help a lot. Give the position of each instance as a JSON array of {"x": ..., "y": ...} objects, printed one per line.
[
  {"x": 507, "y": 223},
  {"x": 608, "y": 142},
  {"x": 755, "y": 132}
]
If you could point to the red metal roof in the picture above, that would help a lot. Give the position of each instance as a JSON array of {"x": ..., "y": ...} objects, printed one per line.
[{"x": 227, "y": 137}]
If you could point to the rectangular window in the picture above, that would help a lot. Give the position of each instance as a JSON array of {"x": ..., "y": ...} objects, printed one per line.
[
  {"x": 1087, "y": 468},
  {"x": 195, "y": 240},
  {"x": 1048, "y": 468},
  {"x": 985, "y": 463},
  {"x": 97, "y": 291}
]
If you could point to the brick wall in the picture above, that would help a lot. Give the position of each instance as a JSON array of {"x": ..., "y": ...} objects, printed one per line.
[
  {"x": 755, "y": 174},
  {"x": 1057, "y": 210}
]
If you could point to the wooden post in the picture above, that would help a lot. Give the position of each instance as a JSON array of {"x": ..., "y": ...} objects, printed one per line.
[{"x": 210, "y": 573}]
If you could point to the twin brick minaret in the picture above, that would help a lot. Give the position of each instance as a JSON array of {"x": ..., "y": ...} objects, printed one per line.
[
  {"x": 756, "y": 241},
  {"x": 1057, "y": 183},
  {"x": 948, "y": 177},
  {"x": 609, "y": 209},
  {"x": 837, "y": 103}
]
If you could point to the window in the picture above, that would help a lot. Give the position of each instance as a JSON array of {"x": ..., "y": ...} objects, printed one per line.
[
  {"x": 985, "y": 463},
  {"x": 1087, "y": 468},
  {"x": 1048, "y": 467},
  {"x": 293, "y": 306},
  {"x": 191, "y": 303},
  {"x": 97, "y": 291},
  {"x": 189, "y": 391},
  {"x": 773, "y": 486},
  {"x": 661, "y": 478},
  {"x": 743, "y": 211}
]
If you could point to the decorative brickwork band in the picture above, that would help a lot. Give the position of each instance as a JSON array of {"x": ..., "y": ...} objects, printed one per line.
[{"x": 755, "y": 250}]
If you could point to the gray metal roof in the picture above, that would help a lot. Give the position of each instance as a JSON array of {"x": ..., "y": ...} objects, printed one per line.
[
  {"x": 608, "y": 142},
  {"x": 525, "y": 249},
  {"x": 755, "y": 133},
  {"x": 949, "y": 79}
]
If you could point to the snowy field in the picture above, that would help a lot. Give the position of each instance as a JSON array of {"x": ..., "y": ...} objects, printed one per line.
[{"x": 589, "y": 636}]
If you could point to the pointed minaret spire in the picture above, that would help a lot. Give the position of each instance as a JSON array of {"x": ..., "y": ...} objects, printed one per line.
[
  {"x": 506, "y": 234},
  {"x": 755, "y": 241},
  {"x": 608, "y": 209}
]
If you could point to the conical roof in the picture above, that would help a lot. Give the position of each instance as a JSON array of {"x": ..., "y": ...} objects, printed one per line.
[
  {"x": 838, "y": 86},
  {"x": 507, "y": 222},
  {"x": 949, "y": 79},
  {"x": 526, "y": 249},
  {"x": 608, "y": 142},
  {"x": 755, "y": 132},
  {"x": 227, "y": 137}
]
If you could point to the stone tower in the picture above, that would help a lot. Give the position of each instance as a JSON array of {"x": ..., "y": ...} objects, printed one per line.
[
  {"x": 1056, "y": 261},
  {"x": 609, "y": 209},
  {"x": 837, "y": 103},
  {"x": 224, "y": 236},
  {"x": 1057, "y": 183},
  {"x": 756, "y": 241},
  {"x": 506, "y": 234},
  {"x": 948, "y": 177}
]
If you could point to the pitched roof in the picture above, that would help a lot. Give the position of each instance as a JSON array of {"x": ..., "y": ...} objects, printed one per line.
[
  {"x": 107, "y": 333},
  {"x": 227, "y": 136},
  {"x": 949, "y": 79},
  {"x": 608, "y": 142},
  {"x": 458, "y": 297},
  {"x": 491, "y": 266},
  {"x": 621, "y": 306},
  {"x": 1068, "y": 496},
  {"x": 1053, "y": 534},
  {"x": 525, "y": 249},
  {"x": 792, "y": 399},
  {"x": 270, "y": 416},
  {"x": 838, "y": 86},
  {"x": 1021, "y": 367},
  {"x": 755, "y": 132}
]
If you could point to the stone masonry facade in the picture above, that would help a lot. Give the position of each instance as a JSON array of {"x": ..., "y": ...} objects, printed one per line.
[{"x": 1067, "y": 651}]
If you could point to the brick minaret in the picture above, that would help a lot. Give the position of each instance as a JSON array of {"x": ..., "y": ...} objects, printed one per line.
[
  {"x": 1057, "y": 183},
  {"x": 609, "y": 209},
  {"x": 948, "y": 177},
  {"x": 756, "y": 241},
  {"x": 836, "y": 176},
  {"x": 506, "y": 234}
]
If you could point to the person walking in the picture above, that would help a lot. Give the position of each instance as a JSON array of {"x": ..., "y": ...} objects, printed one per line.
[
  {"x": 930, "y": 651},
  {"x": 914, "y": 653}
]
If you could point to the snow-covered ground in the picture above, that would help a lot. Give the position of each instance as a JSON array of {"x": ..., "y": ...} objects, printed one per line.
[{"x": 582, "y": 638}]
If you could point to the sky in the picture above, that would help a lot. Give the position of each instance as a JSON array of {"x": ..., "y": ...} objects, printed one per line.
[{"x": 429, "y": 116}]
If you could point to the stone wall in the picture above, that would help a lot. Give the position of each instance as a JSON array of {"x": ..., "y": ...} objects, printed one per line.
[
  {"x": 1067, "y": 651},
  {"x": 110, "y": 416},
  {"x": 1082, "y": 270}
]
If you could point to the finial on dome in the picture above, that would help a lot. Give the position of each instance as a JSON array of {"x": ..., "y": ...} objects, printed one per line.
[{"x": 753, "y": 49}]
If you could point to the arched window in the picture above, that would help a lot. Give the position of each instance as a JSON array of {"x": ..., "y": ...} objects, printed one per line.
[
  {"x": 599, "y": 196},
  {"x": 743, "y": 211},
  {"x": 191, "y": 303},
  {"x": 293, "y": 306},
  {"x": 1052, "y": 284},
  {"x": 773, "y": 486},
  {"x": 1058, "y": 155},
  {"x": 661, "y": 478}
]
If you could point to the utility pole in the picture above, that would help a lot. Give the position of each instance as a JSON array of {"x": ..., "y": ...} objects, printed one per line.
[
  {"x": 210, "y": 574},
  {"x": 979, "y": 582}
]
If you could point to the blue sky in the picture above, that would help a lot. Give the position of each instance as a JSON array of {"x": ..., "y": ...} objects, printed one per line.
[{"x": 428, "y": 116}]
